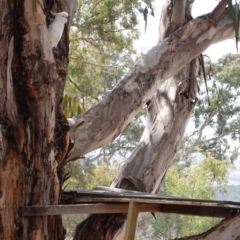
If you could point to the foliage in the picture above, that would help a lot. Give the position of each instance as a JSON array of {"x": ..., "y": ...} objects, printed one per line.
[
  {"x": 217, "y": 124},
  {"x": 102, "y": 175},
  {"x": 85, "y": 175},
  {"x": 198, "y": 181},
  {"x": 120, "y": 148},
  {"x": 232, "y": 194},
  {"x": 101, "y": 48},
  {"x": 71, "y": 106},
  {"x": 186, "y": 183},
  {"x": 234, "y": 12}
]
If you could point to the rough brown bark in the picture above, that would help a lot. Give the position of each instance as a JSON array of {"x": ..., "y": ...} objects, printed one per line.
[{"x": 33, "y": 130}]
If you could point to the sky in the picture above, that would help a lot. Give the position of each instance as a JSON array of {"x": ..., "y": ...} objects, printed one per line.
[{"x": 148, "y": 39}]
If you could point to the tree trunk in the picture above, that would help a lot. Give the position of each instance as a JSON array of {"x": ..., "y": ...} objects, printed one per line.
[
  {"x": 34, "y": 133},
  {"x": 168, "y": 113}
]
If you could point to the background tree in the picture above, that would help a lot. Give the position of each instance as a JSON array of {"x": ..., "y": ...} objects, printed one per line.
[
  {"x": 217, "y": 124},
  {"x": 101, "y": 49},
  {"x": 179, "y": 182},
  {"x": 84, "y": 174}
]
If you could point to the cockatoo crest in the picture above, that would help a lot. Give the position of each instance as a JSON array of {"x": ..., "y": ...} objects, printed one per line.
[{"x": 55, "y": 29}]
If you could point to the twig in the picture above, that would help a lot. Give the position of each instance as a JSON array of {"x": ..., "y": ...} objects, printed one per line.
[
  {"x": 91, "y": 63},
  {"x": 218, "y": 10}
]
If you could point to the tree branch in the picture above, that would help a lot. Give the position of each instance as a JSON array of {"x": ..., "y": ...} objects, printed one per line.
[
  {"x": 70, "y": 7},
  {"x": 92, "y": 63},
  {"x": 218, "y": 10},
  {"x": 228, "y": 227},
  {"x": 198, "y": 140},
  {"x": 104, "y": 122},
  {"x": 213, "y": 139},
  {"x": 75, "y": 85}
]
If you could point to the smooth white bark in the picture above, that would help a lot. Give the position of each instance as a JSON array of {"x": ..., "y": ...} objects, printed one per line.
[{"x": 104, "y": 122}]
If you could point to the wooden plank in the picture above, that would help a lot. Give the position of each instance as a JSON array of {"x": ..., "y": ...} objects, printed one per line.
[
  {"x": 215, "y": 206},
  {"x": 131, "y": 220},
  {"x": 73, "y": 209},
  {"x": 160, "y": 200},
  {"x": 122, "y": 207},
  {"x": 202, "y": 211},
  {"x": 116, "y": 193}
]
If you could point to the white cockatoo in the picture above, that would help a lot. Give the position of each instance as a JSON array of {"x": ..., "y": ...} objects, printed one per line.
[{"x": 55, "y": 29}]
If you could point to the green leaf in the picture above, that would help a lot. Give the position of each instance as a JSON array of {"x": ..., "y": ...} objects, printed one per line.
[
  {"x": 236, "y": 23},
  {"x": 152, "y": 10},
  {"x": 71, "y": 106},
  {"x": 145, "y": 16},
  {"x": 230, "y": 5},
  {"x": 65, "y": 100},
  {"x": 235, "y": 15}
]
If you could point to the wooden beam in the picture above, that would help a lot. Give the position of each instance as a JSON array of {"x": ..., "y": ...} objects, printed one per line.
[
  {"x": 26, "y": 211},
  {"x": 112, "y": 206},
  {"x": 131, "y": 220},
  {"x": 208, "y": 211}
]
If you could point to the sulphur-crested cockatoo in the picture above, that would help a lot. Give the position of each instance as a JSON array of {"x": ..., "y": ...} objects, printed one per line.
[{"x": 55, "y": 29}]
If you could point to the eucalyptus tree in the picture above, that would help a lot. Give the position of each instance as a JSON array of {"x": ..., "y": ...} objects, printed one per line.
[{"x": 37, "y": 140}]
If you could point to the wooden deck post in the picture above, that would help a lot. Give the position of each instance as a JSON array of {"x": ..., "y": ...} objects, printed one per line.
[{"x": 131, "y": 220}]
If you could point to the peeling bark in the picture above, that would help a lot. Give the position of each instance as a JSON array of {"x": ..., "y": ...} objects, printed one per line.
[
  {"x": 168, "y": 113},
  {"x": 172, "y": 17}
]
